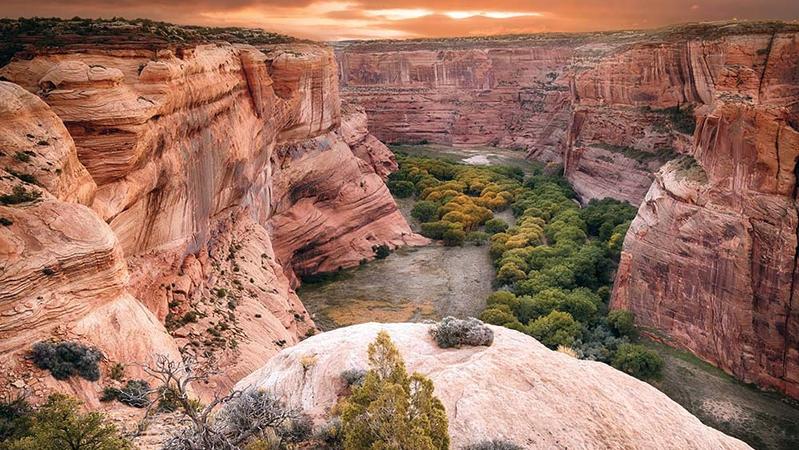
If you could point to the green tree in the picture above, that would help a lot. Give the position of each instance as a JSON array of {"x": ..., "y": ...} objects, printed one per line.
[
  {"x": 425, "y": 211},
  {"x": 638, "y": 361},
  {"x": 59, "y": 425},
  {"x": 622, "y": 321},
  {"x": 392, "y": 410},
  {"x": 554, "y": 329}
]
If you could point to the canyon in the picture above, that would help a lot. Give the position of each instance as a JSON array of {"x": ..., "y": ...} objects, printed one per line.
[
  {"x": 173, "y": 194},
  {"x": 165, "y": 191},
  {"x": 698, "y": 124}
]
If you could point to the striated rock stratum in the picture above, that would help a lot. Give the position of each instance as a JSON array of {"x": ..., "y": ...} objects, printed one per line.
[
  {"x": 698, "y": 122},
  {"x": 182, "y": 188},
  {"x": 516, "y": 389}
]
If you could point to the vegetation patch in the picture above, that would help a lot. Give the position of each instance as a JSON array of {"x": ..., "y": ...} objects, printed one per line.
[
  {"x": 378, "y": 311},
  {"x": 20, "y": 194},
  {"x": 66, "y": 359},
  {"x": 452, "y": 332}
]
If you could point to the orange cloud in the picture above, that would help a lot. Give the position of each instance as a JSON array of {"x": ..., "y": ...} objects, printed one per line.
[{"x": 358, "y": 19}]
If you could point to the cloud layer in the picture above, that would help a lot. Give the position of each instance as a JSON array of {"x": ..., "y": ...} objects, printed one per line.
[{"x": 360, "y": 19}]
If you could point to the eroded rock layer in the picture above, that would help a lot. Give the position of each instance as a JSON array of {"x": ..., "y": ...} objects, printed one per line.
[
  {"x": 516, "y": 390},
  {"x": 210, "y": 176}
]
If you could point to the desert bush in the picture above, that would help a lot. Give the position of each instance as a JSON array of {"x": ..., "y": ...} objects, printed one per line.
[
  {"x": 20, "y": 194},
  {"x": 496, "y": 444},
  {"x": 452, "y": 332},
  {"x": 66, "y": 359},
  {"x": 135, "y": 393},
  {"x": 381, "y": 251},
  {"x": 638, "y": 361}
]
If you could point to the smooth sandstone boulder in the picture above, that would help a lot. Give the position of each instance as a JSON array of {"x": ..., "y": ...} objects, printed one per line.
[{"x": 516, "y": 389}]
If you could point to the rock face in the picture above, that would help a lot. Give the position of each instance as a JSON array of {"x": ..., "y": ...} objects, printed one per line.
[
  {"x": 709, "y": 264},
  {"x": 516, "y": 389},
  {"x": 594, "y": 102},
  {"x": 177, "y": 180}
]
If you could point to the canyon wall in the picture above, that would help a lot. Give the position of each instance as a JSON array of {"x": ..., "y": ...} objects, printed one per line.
[
  {"x": 182, "y": 191},
  {"x": 698, "y": 122}
]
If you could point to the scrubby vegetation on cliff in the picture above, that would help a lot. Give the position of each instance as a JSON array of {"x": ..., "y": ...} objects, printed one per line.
[
  {"x": 554, "y": 266},
  {"x": 40, "y": 33}
]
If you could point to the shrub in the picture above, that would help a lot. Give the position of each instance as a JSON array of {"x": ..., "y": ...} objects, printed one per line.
[
  {"x": 392, "y": 409},
  {"x": 436, "y": 230},
  {"x": 117, "y": 372},
  {"x": 452, "y": 332},
  {"x": 496, "y": 444},
  {"x": 477, "y": 237},
  {"x": 58, "y": 424},
  {"x": 20, "y": 194},
  {"x": 495, "y": 225},
  {"x": 381, "y": 251},
  {"x": 425, "y": 211},
  {"x": 453, "y": 237},
  {"x": 638, "y": 361},
  {"x": 622, "y": 321},
  {"x": 6, "y": 222},
  {"x": 135, "y": 393},
  {"x": 401, "y": 189},
  {"x": 353, "y": 377},
  {"x": 65, "y": 359},
  {"x": 554, "y": 329}
]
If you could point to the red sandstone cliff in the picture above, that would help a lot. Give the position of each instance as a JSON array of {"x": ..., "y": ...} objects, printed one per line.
[
  {"x": 198, "y": 177},
  {"x": 709, "y": 264}
]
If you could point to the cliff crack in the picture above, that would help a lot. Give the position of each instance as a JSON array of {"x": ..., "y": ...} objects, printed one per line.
[
  {"x": 765, "y": 66},
  {"x": 792, "y": 293}
]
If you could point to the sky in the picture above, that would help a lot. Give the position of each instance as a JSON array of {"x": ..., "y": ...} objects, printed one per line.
[{"x": 331, "y": 20}]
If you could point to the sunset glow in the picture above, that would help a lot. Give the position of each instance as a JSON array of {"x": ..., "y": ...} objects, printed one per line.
[{"x": 362, "y": 19}]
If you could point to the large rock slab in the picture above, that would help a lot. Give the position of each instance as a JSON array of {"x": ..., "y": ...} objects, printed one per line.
[{"x": 516, "y": 389}]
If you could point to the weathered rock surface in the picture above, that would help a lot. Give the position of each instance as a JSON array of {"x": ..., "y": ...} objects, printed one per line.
[
  {"x": 210, "y": 170},
  {"x": 516, "y": 389}
]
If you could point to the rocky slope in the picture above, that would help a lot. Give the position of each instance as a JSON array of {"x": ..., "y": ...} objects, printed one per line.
[
  {"x": 178, "y": 178},
  {"x": 595, "y": 102},
  {"x": 710, "y": 262},
  {"x": 516, "y": 389}
]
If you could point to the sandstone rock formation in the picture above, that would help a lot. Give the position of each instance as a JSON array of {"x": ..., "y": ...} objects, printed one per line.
[
  {"x": 710, "y": 262},
  {"x": 594, "y": 102},
  {"x": 516, "y": 389},
  {"x": 212, "y": 175}
]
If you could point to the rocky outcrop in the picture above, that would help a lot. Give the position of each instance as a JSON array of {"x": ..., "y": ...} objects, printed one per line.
[
  {"x": 516, "y": 389},
  {"x": 208, "y": 172},
  {"x": 709, "y": 263},
  {"x": 595, "y": 102}
]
